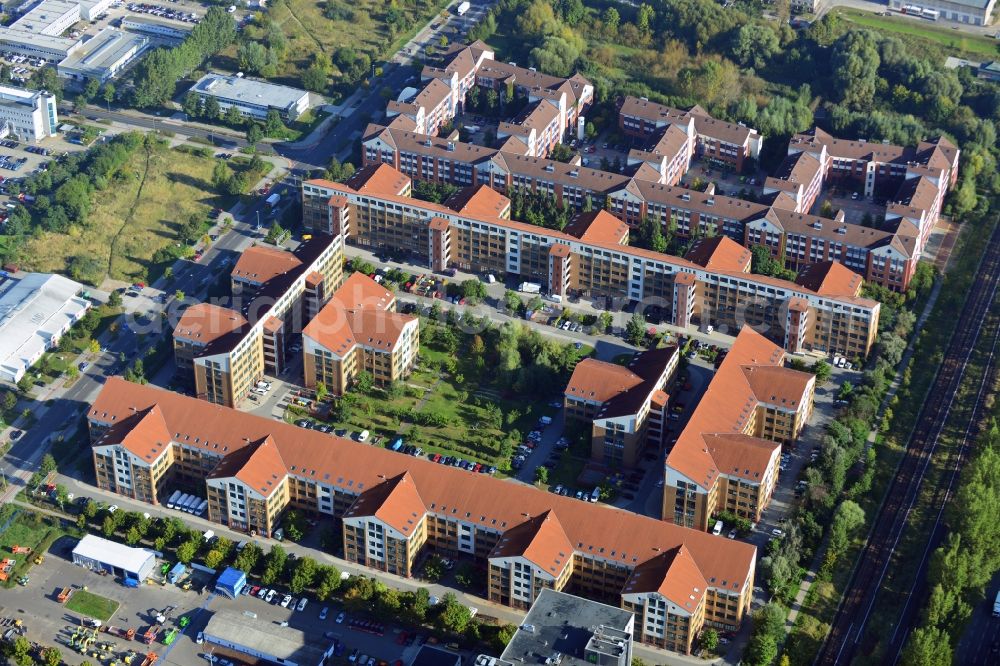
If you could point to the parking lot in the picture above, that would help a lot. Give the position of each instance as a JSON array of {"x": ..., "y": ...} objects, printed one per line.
[{"x": 47, "y": 621}]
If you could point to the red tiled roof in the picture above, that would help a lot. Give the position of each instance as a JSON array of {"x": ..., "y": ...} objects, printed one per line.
[
  {"x": 675, "y": 575},
  {"x": 598, "y": 226},
  {"x": 395, "y": 501},
  {"x": 720, "y": 253},
  {"x": 351, "y": 467},
  {"x": 204, "y": 322},
  {"x": 600, "y": 381},
  {"x": 260, "y": 263},
  {"x": 541, "y": 540}
]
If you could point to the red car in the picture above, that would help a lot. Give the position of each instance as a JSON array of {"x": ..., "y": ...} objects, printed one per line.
[{"x": 402, "y": 638}]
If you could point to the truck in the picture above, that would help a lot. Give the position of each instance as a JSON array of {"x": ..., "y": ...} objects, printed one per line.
[
  {"x": 190, "y": 503},
  {"x": 272, "y": 200},
  {"x": 530, "y": 288},
  {"x": 127, "y": 634},
  {"x": 996, "y": 606},
  {"x": 176, "y": 573},
  {"x": 462, "y": 8},
  {"x": 151, "y": 634},
  {"x": 64, "y": 595},
  {"x": 172, "y": 502},
  {"x": 202, "y": 505}
]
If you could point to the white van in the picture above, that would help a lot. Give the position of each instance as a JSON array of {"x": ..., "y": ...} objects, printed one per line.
[
  {"x": 717, "y": 530},
  {"x": 491, "y": 278},
  {"x": 595, "y": 494},
  {"x": 363, "y": 436}
]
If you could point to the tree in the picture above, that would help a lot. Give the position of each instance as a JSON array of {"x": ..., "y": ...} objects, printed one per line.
[
  {"x": 303, "y": 575},
  {"x": 927, "y": 646},
  {"x": 329, "y": 582},
  {"x": 48, "y": 464},
  {"x": 454, "y": 615},
  {"x": 247, "y": 558},
  {"x": 186, "y": 551},
  {"x": 213, "y": 559},
  {"x": 314, "y": 78},
  {"x": 541, "y": 474},
  {"x": 211, "y": 109},
  {"x": 254, "y": 134},
  {"x": 274, "y": 564},
  {"x": 108, "y": 94},
  {"x": 855, "y": 62},
  {"x": 709, "y": 639},
  {"x": 847, "y": 519},
  {"x": 822, "y": 370},
  {"x": 754, "y": 45},
  {"x": 473, "y": 290},
  {"x": 611, "y": 19},
  {"x": 339, "y": 171},
  {"x": 273, "y": 125},
  {"x": 650, "y": 235},
  {"x": 635, "y": 330},
  {"x": 52, "y": 657},
  {"x": 364, "y": 382}
]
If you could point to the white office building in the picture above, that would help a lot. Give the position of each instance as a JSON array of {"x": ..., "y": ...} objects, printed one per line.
[
  {"x": 29, "y": 114},
  {"x": 39, "y": 32},
  {"x": 35, "y": 312},
  {"x": 104, "y": 56},
  {"x": 252, "y": 98},
  {"x": 151, "y": 25}
]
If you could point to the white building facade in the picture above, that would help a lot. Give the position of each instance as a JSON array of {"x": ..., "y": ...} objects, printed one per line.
[{"x": 30, "y": 114}]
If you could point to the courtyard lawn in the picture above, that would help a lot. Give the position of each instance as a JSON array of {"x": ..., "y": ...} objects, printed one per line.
[
  {"x": 92, "y": 605},
  {"x": 954, "y": 42}
]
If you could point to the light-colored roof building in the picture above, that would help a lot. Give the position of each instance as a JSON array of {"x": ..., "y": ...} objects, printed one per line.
[
  {"x": 97, "y": 553},
  {"x": 252, "y": 98},
  {"x": 104, "y": 56},
  {"x": 35, "y": 312},
  {"x": 265, "y": 640}
]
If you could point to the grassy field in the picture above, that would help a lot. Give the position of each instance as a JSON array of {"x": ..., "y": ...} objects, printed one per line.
[
  {"x": 954, "y": 42},
  {"x": 126, "y": 228},
  {"x": 92, "y": 605},
  {"x": 362, "y": 27}
]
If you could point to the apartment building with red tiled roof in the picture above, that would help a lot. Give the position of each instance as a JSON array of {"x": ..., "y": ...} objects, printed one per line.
[
  {"x": 228, "y": 349},
  {"x": 727, "y": 457},
  {"x": 554, "y": 104},
  {"x": 624, "y": 406},
  {"x": 389, "y": 508},
  {"x": 593, "y": 265},
  {"x": 359, "y": 330},
  {"x": 717, "y": 140}
]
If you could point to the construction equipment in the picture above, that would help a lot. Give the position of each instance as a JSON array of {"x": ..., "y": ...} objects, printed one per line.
[
  {"x": 150, "y": 659},
  {"x": 38, "y": 559},
  {"x": 21, "y": 550},
  {"x": 169, "y": 637},
  {"x": 127, "y": 634},
  {"x": 64, "y": 594},
  {"x": 184, "y": 621},
  {"x": 151, "y": 634}
]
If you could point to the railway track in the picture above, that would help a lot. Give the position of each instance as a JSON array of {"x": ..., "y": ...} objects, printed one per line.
[{"x": 847, "y": 633}]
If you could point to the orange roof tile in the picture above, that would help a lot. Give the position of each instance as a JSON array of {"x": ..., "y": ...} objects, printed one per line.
[
  {"x": 479, "y": 200},
  {"x": 258, "y": 465},
  {"x": 599, "y": 226},
  {"x": 675, "y": 575},
  {"x": 599, "y": 381},
  {"x": 205, "y": 323},
  {"x": 396, "y": 502},
  {"x": 260, "y": 264},
  {"x": 541, "y": 540},
  {"x": 359, "y": 312},
  {"x": 379, "y": 179},
  {"x": 351, "y": 467},
  {"x": 830, "y": 278},
  {"x": 720, "y": 253},
  {"x": 750, "y": 374}
]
